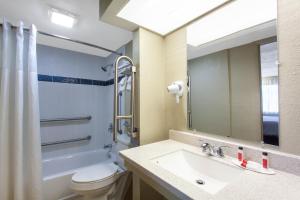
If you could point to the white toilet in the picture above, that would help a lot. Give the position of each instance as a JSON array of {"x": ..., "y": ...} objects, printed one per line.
[{"x": 96, "y": 182}]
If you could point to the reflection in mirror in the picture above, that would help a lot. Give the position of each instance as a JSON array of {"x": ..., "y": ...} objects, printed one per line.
[
  {"x": 232, "y": 70},
  {"x": 269, "y": 92},
  {"x": 234, "y": 92}
]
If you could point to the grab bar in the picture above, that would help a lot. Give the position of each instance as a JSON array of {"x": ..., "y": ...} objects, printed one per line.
[
  {"x": 66, "y": 119},
  {"x": 66, "y": 141},
  {"x": 189, "y": 102},
  {"x": 131, "y": 116}
]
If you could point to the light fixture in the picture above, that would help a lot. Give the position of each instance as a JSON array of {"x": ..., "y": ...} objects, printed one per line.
[
  {"x": 62, "y": 18},
  {"x": 165, "y": 16},
  {"x": 232, "y": 18}
]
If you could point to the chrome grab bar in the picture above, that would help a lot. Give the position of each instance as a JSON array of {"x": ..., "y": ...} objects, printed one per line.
[
  {"x": 189, "y": 102},
  {"x": 116, "y": 99},
  {"x": 124, "y": 117},
  {"x": 66, "y": 119},
  {"x": 66, "y": 141}
]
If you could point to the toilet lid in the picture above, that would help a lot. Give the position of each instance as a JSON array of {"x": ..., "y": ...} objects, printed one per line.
[{"x": 95, "y": 173}]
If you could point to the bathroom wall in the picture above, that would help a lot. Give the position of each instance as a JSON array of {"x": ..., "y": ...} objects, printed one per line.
[
  {"x": 63, "y": 98},
  {"x": 225, "y": 93},
  {"x": 289, "y": 74},
  {"x": 176, "y": 69},
  {"x": 160, "y": 61},
  {"x": 245, "y": 92},
  {"x": 151, "y": 72},
  {"x": 210, "y": 93}
]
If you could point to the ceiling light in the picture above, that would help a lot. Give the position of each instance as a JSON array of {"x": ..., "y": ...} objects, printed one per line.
[
  {"x": 165, "y": 16},
  {"x": 232, "y": 18},
  {"x": 62, "y": 18}
]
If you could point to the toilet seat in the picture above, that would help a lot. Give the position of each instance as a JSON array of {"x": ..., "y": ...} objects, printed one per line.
[{"x": 94, "y": 177}]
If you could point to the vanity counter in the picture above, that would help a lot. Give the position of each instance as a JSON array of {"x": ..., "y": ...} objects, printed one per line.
[{"x": 248, "y": 186}]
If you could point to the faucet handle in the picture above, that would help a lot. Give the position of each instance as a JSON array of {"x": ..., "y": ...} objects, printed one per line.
[
  {"x": 220, "y": 151},
  {"x": 204, "y": 146}
]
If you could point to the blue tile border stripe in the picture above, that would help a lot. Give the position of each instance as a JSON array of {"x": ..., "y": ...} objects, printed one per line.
[
  {"x": 72, "y": 80},
  {"x": 46, "y": 78},
  {"x": 60, "y": 79}
]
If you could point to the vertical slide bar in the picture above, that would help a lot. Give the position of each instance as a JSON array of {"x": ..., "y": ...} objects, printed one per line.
[{"x": 116, "y": 98}]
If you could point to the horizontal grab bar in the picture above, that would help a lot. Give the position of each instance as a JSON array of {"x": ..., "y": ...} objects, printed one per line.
[
  {"x": 66, "y": 141},
  {"x": 124, "y": 117},
  {"x": 66, "y": 119}
]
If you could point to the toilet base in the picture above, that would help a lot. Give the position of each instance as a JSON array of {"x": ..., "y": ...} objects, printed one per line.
[{"x": 99, "y": 194}]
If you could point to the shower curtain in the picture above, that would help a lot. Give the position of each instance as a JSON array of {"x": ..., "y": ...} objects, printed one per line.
[{"x": 20, "y": 145}]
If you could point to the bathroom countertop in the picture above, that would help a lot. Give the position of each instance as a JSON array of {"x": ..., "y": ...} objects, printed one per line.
[{"x": 248, "y": 186}]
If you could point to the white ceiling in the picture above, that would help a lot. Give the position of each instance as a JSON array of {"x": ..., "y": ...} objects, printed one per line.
[{"x": 88, "y": 29}]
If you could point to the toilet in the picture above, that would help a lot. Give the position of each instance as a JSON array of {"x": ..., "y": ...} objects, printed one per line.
[{"x": 96, "y": 182}]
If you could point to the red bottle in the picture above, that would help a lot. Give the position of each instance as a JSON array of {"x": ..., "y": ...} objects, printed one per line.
[
  {"x": 240, "y": 154},
  {"x": 265, "y": 160}
]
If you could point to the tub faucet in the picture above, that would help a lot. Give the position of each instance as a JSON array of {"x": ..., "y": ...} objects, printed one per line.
[
  {"x": 107, "y": 146},
  {"x": 212, "y": 150}
]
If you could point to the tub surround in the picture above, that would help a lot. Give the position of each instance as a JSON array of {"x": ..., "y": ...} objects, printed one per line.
[
  {"x": 72, "y": 84},
  {"x": 249, "y": 185}
]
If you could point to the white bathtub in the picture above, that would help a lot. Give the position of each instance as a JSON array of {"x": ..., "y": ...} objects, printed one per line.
[{"x": 57, "y": 172}]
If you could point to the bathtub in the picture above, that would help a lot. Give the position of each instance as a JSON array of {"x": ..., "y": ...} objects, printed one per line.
[{"x": 57, "y": 172}]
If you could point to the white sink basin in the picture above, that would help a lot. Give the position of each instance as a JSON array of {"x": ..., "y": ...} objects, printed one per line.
[{"x": 212, "y": 175}]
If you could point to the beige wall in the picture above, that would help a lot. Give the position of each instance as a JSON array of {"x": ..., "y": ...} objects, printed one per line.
[
  {"x": 225, "y": 93},
  {"x": 245, "y": 92},
  {"x": 289, "y": 74},
  {"x": 154, "y": 55},
  {"x": 210, "y": 99},
  {"x": 151, "y": 73},
  {"x": 176, "y": 69}
]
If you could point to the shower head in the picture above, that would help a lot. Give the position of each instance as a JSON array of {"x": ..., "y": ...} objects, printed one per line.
[{"x": 104, "y": 69}]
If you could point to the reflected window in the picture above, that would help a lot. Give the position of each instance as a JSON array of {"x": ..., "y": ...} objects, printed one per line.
[{"x": 269, "y": 90}]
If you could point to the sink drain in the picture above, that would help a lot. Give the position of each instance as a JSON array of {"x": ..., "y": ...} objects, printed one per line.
[{"x": 200, "y": 182}]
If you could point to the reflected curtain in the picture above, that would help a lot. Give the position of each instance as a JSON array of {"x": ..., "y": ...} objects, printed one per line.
[
  {"x": 20, "y": 146},
  {"x": 270, "y": 94}
]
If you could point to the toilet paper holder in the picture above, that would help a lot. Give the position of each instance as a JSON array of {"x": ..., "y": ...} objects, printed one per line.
[{"x": 176, "y": 88}]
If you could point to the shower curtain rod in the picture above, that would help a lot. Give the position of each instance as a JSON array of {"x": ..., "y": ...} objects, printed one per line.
[{"x": 73, "y": 40}]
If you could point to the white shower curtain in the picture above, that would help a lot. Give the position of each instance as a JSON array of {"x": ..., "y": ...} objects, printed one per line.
[{"x": 20, "y": 145}]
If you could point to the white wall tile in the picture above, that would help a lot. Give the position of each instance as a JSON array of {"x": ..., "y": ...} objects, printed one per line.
[{"x": 59, "y": 100}]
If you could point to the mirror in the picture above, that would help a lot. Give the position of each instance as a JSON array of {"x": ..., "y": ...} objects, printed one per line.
[{"x": 233, "y": 83}]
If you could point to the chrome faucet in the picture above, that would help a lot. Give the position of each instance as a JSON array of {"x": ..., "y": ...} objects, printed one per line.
[
  {"x": 212, "y": 150},
  {"x": 109, "y": 147}
]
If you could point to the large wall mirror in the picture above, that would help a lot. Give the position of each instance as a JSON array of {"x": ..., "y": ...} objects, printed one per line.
[{"x": 233, "y": 76}]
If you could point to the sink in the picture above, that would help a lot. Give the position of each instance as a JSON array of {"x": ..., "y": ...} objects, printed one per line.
[{"x": 204, "y": 172}]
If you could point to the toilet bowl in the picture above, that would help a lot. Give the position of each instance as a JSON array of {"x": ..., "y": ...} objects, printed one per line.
[{"x": 95, "y": 182}]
